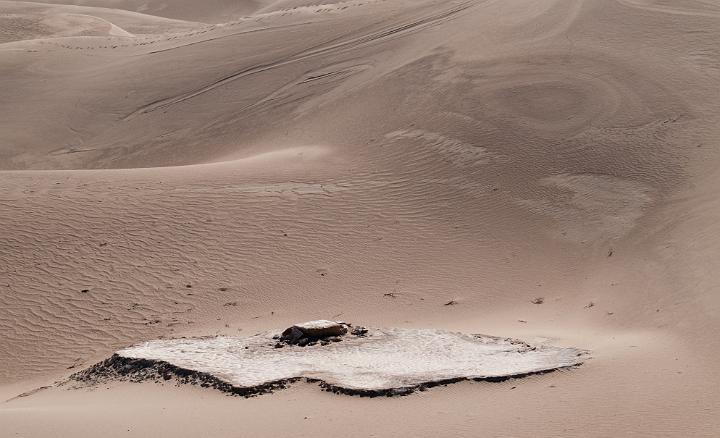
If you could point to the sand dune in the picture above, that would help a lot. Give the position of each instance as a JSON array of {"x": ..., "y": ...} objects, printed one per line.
[
  {"x": 29, "y": 20},
  {"x": 183, "y": 169},
  {"x": 214, "y": 11}
]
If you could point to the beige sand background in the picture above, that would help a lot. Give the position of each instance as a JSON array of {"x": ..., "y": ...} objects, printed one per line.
[{"x": 194, "y": 168}]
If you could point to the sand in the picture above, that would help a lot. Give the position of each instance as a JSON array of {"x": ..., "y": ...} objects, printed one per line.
[{"x": 211, "y": 171}]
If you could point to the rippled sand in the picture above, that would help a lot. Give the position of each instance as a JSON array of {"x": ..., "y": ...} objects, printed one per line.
[{"x": 542, "y": 170}]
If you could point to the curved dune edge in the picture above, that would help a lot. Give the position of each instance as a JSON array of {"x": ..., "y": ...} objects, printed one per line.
[{"x": 335, "y": 366}]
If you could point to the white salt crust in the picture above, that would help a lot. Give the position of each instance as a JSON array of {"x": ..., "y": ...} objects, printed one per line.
[{"x": 384, "y": 359}]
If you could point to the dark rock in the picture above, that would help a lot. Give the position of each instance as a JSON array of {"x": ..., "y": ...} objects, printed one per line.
[
  {"x": 292, "y": 335},
  {"x": 312, "y": 331},
  {"x": 358, "y": 331}
]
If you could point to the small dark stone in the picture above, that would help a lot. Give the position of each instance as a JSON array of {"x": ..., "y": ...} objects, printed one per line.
[
  {"x": 292, "y": 335},
  {"x": 358, "y": 331}
]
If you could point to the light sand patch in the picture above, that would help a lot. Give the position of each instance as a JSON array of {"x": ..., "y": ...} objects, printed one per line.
[{"x": 592, "y": 207}]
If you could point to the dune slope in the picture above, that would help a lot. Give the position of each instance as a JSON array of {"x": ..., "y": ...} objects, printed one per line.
[{"x": 540, "y": 170}]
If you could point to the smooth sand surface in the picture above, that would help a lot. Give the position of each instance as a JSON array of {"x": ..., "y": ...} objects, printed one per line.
[{"x": 199, "y": 171}]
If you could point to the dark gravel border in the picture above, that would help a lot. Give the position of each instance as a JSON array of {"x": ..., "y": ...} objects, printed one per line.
[{"x": 120, "y": 368}]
